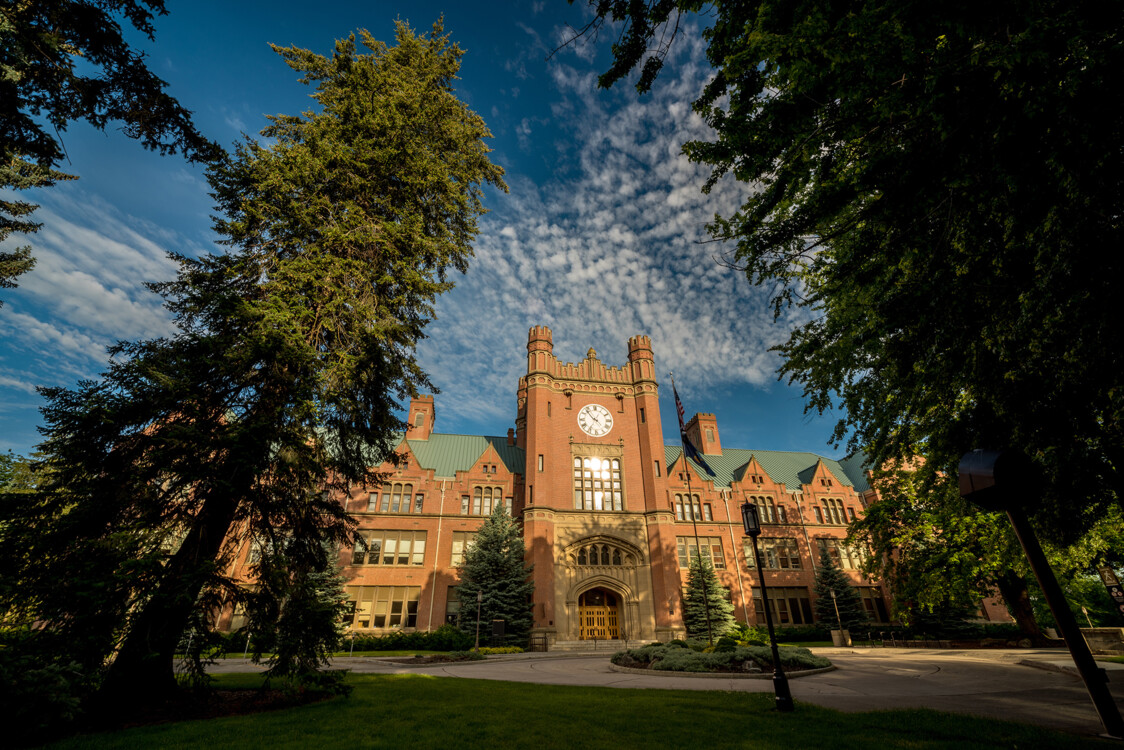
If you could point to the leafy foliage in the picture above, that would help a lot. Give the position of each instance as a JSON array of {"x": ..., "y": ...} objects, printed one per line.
[
  {"x": 66, "y": 61},
  {"x": 277, "y": 393},
  {"x": 703, "y": 593},
  {"x": 935, "y": 185},
  {"x": 829, "y": 578},
  {"x": 495, "y": 566}
]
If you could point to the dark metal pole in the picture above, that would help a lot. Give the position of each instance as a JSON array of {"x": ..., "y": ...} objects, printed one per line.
[
  {"x": 1096, "y": 681},
  {"x": 780, "y": 682},
  {"x": 479, "y": 598}
]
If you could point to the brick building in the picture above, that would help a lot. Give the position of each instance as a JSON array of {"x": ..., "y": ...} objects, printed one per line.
[{"x": 606, "y": 511}]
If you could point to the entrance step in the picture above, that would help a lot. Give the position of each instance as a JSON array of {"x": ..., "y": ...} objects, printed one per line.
[{"x": 592, "y": 646}]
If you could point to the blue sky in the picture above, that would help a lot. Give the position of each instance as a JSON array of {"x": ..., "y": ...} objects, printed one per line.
[{"x": 599, "y": 237}]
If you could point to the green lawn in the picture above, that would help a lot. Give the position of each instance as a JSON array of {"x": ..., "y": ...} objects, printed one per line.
[{"x": 420, "y": 711}]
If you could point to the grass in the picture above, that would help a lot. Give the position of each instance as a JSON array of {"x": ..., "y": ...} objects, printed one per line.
[
  {"x": 423, "y": 711},
  {"x": 1117, "y": 659}
]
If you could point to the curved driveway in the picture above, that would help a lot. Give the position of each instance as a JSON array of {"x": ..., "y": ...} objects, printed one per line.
[{"x": 987, "y": 683}]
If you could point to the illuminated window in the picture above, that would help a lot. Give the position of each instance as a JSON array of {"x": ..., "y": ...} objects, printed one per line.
[
  {"x": 389, "y": 548},
  {"x": 597, "y": 483}
]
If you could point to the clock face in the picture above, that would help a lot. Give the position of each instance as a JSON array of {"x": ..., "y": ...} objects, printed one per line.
[{"x": 595, "y": 420}]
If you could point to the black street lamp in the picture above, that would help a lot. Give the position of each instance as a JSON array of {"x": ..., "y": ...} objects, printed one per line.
[
  {"x": 780, "y": 682},
  {"x": 479, "y": 598}
]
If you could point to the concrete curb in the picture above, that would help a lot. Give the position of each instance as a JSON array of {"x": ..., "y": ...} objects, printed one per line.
[{"x": 720, "y": 675}]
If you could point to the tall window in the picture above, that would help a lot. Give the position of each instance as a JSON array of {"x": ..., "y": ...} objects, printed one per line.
[
  {"x": 683, "y": 505},
  {"x": 462, "y": 540},
  {"x": 396, "y": 498},
  {"x": 874, "y": 604},
  {"x": 452, "y": 606},
  {"x": 597, "y": 483},
  {"x": 711, "y": 546},
  {"x": 484, "y": 499},
  {"x": 769, "y": 510},
  {"x": 832, "y": 511},
  {"x": 389, "y": 548},
  {"x": 848, "y": 558},
  {"x": 384, "y": 606},
  {"x": 790, "y": 606},
  {"x": 776, "y": 554}
]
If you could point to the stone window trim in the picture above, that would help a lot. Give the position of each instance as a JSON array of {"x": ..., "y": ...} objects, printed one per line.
[{"x": 630, "y": 554}]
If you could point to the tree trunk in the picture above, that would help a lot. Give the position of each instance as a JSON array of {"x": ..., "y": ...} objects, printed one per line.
[
  {"x": 144, "y": 667},
  {"x": 1013, "y": 589}
]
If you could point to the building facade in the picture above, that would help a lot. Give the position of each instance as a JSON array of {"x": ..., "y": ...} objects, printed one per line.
[{"x": 611, "y": 511}]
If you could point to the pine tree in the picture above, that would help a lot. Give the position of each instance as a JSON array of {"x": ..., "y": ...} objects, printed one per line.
[
  {"x": 495, "y": 565},
  {"x": 703, "y": 590},
  {"x": 293, "y": 350},
  {"x": 830, "y": 578}
]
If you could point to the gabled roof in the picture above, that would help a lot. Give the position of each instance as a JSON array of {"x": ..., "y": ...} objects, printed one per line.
[
  {"x": 448, "y": 454},
  {"x": 790, "y": 468},
  {"x": 856, "y": 465}
]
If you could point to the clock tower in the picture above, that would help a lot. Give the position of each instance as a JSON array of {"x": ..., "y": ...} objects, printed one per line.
[{"x": 597, "y": 523}]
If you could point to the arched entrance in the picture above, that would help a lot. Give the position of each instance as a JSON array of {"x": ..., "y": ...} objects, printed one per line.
[{"x": 599, "y": 615}]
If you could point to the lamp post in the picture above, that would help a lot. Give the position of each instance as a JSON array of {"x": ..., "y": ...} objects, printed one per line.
[
  {"x": 780, "y": 683},
  {"x": 839, "y": 619},
  {"x": 479, "y": 599}
]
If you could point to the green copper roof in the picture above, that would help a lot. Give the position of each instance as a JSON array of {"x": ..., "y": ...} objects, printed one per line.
[
  {"x": 856, "y": 467},
  {"x": 448, "y": 454},
  {"x": 790, "y": 468}
]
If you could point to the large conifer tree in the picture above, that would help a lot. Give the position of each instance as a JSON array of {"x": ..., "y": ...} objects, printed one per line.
[
  {"x": 292, "y": 353},
  {"x": 703, "y": 591},
  {"x": 830, "y": 578},
  {"x": 495, "y": 565}
]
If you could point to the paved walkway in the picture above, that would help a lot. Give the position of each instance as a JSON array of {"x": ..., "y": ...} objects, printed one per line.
[{"x": 1036, "y": 686}]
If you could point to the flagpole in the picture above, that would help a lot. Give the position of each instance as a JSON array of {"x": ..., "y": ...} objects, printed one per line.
[{"x": 691, "y": 510}]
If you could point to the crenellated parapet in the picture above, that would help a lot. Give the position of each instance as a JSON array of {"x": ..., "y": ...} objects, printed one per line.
[{"x": 544, "y": 368}]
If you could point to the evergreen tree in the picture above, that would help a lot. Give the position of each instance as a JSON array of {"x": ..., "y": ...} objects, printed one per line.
[
  {"x": 830, "y": 578},
  {"x": 495, "y": 565},
  {"x": 703, "y": 590},
  {"x": 64, "y": 60},
  {"x": 292, "y": 352}
]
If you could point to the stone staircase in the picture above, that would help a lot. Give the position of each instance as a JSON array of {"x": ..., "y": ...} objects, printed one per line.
[{"x": 606, "y": 647}]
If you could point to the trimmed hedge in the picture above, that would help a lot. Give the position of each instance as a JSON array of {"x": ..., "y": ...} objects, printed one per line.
[
  {"x": 445, "y": 638},
  {"x": 667, "y": 658}
]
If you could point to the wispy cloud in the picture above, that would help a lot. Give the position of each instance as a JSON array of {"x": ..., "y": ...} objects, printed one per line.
[
  {"x": 612, "y": 247},
  {"x": 85, "y": 293}
]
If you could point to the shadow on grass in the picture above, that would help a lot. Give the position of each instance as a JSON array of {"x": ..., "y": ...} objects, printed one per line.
[{"x": 428, "y": 712}]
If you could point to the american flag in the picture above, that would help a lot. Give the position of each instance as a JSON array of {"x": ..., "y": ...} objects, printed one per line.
[{"x": 689, "y": 449}]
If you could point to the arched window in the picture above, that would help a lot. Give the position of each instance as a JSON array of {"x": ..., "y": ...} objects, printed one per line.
[
  {"x": 616, "y": 557},
  {"x": 581, "y": 556},
  {"x": 604, "y": 555}
]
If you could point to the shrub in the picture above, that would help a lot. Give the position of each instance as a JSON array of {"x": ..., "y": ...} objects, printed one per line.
[
  {"x": 466, "y": 656},
  {"x": 40, "y": 697},
  {"x": 726, "y": 644},
  {"x": 501, "y": 650},
  {"x": 676, "y": 643},
  {"x": 673, "y": 659}
]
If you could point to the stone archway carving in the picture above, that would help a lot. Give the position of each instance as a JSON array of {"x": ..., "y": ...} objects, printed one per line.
[{"x": 608, "y": 562}]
